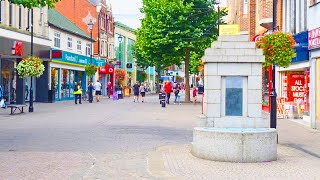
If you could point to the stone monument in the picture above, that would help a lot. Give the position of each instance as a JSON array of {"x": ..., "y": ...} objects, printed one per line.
[{"x": 234, "y": 129}]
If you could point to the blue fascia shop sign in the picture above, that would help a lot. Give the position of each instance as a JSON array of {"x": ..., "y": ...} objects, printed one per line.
[
  {"x": 301, "y": 47},
  {"x": 74, "y": 59}
]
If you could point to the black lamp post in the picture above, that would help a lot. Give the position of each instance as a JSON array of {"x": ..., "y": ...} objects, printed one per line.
[
  {"x": 31, "y": 54},
  {"x": 90, "y": 26},
  {"x": 273, "y": 94},
  {"x": 120, "y": 37}
]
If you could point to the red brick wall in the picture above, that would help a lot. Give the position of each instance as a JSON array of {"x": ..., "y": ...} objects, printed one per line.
[
  {"x": 244, "y": 21},
  {"x": 252, "y": 18},
  {"x": 76, "y": 11}
]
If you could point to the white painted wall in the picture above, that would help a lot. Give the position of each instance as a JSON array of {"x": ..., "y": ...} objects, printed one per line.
[{"x": 64, "y": 41}]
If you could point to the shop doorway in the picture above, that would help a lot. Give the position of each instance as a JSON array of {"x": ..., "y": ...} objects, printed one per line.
[{"x": 8, "y": 79}]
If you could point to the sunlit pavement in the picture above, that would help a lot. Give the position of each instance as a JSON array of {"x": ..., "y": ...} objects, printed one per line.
[{"x": 126, "y": 140}]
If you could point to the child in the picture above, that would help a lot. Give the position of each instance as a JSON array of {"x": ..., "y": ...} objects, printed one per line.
[
  {"x": 177, "y": 94},
  {"x": 194, "y": 94}
]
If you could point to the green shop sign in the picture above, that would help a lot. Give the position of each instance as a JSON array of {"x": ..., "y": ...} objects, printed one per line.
[{"x": 74, "y": 59}]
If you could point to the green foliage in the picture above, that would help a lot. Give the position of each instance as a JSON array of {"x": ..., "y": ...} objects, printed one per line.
[
  {"x": 35, "y": 3},
  {"x": 277, "y": 48},
  {"x": 30, "y": 67},
  {"x": 144, "y": 76},
  {"x": 174, "y": 31},
  {"x": 90, "y": 70}
]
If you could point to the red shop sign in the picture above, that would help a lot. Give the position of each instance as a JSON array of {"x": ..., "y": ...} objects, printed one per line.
[
  {"x": 314, "y": 38},
  {"x": 296, "y": 87},
  {"x": 17, "y": 48},
  {"x": 106, "y": 69}
]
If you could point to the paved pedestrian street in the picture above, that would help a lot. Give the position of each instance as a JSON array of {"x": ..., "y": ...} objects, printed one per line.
[{"x": 126, "y": 140}]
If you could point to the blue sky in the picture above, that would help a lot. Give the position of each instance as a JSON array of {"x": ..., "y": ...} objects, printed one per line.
[{"x": 127, "y": 11}]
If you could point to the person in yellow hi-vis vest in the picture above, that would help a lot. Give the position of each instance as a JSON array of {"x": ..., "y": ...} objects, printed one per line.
[{"x": 77, "y": 93}]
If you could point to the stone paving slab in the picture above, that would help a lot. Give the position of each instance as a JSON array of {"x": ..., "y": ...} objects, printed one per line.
[{"x": 179, "y": 163}]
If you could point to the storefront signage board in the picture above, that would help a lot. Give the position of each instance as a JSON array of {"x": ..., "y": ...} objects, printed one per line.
[
  {"x": 281, "y": 107},
  {"x": 72, "y": 58},
  {"x": 296, "y": 88},
  {"x": 314, "y": 38}
]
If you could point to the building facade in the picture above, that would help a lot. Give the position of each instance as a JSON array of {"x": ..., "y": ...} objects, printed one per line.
[
  {"x": 71, "y": 52},
  {"x": 314, "y": 47},
  {"x": 81, "y": 12},
  {"x": 124, "y": 42},
  {"x": 15, "y": 22},
  {"x": 293, "y": 82}
]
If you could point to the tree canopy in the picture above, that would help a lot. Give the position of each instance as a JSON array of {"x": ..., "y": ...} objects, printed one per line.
[
  {"x": 34, "y": 3},
  {"x": 176, "y": 31}
]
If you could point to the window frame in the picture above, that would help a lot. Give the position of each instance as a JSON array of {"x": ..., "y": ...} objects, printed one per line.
[
  {"x": 57, "y": 39},
  {"x": 69, "y": 42},
  {"x": 88, "y": 49},
  {"x": 79, "y": 44}
]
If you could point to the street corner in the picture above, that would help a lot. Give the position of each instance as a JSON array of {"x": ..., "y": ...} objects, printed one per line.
[{"x": 177, "y": 162}]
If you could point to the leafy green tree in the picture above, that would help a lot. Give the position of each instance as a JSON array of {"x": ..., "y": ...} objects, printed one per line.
[
  {"x": 34, "y": 3},
  {"x": 176, "y": 31}
]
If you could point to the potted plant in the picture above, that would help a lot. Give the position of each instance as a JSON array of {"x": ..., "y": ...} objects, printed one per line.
[{"x": 30, "y": 66}]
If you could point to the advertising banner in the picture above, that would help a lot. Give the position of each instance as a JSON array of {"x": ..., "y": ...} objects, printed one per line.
[
  {"x": 314, "y": 38},
  {"x": 280, "y": 107},
  {"x": 296, "y": 88}
]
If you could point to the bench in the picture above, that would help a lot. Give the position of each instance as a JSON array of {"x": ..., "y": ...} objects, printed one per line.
[{"x": 14, "y": 107}]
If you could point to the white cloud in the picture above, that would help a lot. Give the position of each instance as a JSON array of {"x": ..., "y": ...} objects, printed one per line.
[{"x": 127, "y": 12}]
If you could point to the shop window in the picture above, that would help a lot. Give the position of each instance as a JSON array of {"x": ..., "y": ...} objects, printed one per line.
[
  {"x": 245, "y": 6},
  {"x": 65, "y": 86},
  {"x": 1, "y": 9},
  {"x": 20, "y": 17},
  {"x": 69, "y": 43},
  {"x": 88, "y": 49},
  {"x": 11, "y": 14},
  {"x": 79, "y": 44},
  {"x": 57, "y": 39}
]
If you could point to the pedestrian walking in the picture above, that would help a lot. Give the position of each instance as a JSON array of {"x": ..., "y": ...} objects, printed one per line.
[
  {"x": 177, "y": 93},
  {"x": 194, "y": 95},
  {"x": 2, "y": 103},
  {"x": 109, "y": 89},
  {"x": 97, "y": 87},
  {"x": 168, "y": 89},
  {"x": 77, "y": 93},
  {"x": 142, "y": 91},
  {"x": 90, "y": 91},
  {"x": 136, "y": 89}
]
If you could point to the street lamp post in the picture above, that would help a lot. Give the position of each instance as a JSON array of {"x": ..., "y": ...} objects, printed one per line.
[
  {"x": 90, "y": 26},
  {"x": 120, "y": 37},
  {"x": 273, "y": 94},
  {"x": 31, "y": 54}
]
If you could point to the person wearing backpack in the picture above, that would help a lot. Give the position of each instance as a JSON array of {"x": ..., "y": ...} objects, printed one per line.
[
  {"x": 142, "y": 91},
  {"x": 77, "y": 93}
]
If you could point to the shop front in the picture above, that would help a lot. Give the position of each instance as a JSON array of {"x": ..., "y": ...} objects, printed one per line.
[
  {"x": 67, "y": 69},
  {"x": 295, "y": 82},
  {"x": 106, "y": 75},
  {"x": 314, "y": 47},
  {"x": 17, "y": 90}
]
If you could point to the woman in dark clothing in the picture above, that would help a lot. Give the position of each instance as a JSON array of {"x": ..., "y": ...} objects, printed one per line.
[{"x": 90, "y": 91}]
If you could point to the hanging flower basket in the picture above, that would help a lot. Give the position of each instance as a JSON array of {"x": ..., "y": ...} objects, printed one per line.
[
  {"x": 120, "y": 75},
  {"x": 90, "y": 69},
  {"x": 30, "y": 67},
  {"x": 277, "y": 48}
]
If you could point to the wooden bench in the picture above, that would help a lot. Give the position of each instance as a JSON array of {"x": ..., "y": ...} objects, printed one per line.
[{"x": 14, "y": 107}]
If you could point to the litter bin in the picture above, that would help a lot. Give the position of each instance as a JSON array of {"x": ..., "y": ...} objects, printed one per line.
[{"x": 51, "y": 96}]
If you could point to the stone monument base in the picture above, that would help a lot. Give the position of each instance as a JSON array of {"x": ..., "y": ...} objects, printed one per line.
[{"x": 245, "y": 145}]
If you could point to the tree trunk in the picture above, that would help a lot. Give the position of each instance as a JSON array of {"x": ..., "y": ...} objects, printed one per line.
[
  {"x": 186, "y": 62},
  {"x": 158, "y": 80}
]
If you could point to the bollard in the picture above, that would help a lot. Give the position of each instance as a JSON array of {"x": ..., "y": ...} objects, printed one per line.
[{"x": 163, "y": 100}]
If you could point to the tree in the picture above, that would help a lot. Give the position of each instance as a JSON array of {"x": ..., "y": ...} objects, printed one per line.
[
  {"x": 176, "y": 31},
  {"x": 34, "y": 3}
]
